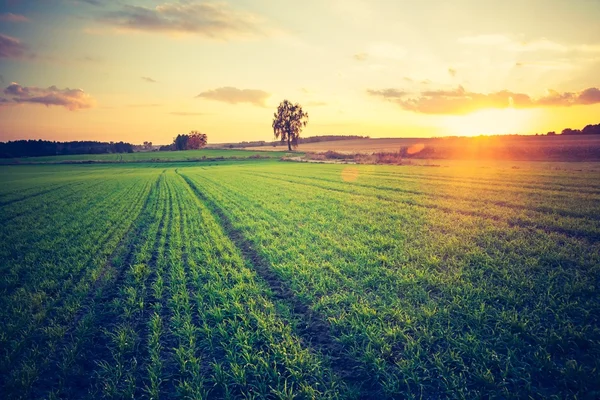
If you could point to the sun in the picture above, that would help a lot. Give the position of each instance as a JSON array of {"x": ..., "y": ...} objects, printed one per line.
[{"x": 492, "y": 121}]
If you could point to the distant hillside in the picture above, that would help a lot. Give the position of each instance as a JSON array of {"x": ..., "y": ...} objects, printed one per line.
[
  {"x": 275, "y": 143},
  {"x": 533, "y": 148},
  {"x": 569, "y": 145}
]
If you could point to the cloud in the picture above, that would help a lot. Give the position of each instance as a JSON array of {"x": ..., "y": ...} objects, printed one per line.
[
  {"x": 360, "y": 56},
  {"x": 461, "y": 101},
  {"x": 71, "y": 99},
  {"x": 452, "y": 72},
  {"x": 589, "y": 96},
  {"x": 11, "y": 47},
  {"x": 388, "y": 93},
  {"x": 234, "y": 96},
  {"x": 458, "y": 92},
  {"x": 93, "y": 2},
  {"x": 585, "y": 97},
  {"x": 185, "y": 114},
  {"x": 212, "y": 20},
  {"x": 148, "y": 79},
  {"x": 10, "y": 17}
]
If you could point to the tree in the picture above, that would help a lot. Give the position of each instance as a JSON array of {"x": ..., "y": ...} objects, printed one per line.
[
  {"x": 192, "y": 141},
  {"x": 591, "y": 130},
  {"x": 180, "y": 142},
  {"x": 196, "y": 140},
  {"x": 569, "y": 131},
  {"x": 288, "y": 122}
]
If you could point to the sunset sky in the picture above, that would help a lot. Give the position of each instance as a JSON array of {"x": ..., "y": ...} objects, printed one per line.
[{"x": 148, "y": 70}]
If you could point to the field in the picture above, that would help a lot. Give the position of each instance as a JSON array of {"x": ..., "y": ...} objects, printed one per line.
[
  {"x": 531, "y": 148},
  {"x": 280, "y": 280},
  {"x": 149, "y": 156}
]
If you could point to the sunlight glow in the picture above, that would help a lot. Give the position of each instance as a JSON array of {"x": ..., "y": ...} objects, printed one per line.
[{"x": 489, "y": 122}]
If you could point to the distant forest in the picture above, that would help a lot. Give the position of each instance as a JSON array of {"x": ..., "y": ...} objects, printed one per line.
[
  {"x": 588, "y": 130},
  {"x": 38, "y": 148}
]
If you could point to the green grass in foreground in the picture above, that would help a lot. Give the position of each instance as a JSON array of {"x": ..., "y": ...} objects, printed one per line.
[
  {"x": 151, "y": 156},
  {"x": 284, "y": 280}
]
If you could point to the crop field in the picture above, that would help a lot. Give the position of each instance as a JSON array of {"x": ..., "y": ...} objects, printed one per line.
[
  {"x": 532, "y": 148},
  {"x": 281, "y": 280},
  {"x": 150, "y": 156}
]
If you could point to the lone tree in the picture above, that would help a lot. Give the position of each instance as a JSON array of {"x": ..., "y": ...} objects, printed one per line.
[{"x": 288, "y": 122}]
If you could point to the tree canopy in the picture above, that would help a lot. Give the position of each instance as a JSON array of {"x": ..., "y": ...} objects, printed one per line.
[
  {"x": 192, "y": 141},
  {"x": 288, "y": 122},
  {"x": 37, "y": 148}
]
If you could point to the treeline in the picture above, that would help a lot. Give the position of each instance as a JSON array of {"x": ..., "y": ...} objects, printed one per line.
[
  {"x": 329, "y": 138},
  {"x": 587, "y": 130},
  {"x": 38, "y": 148},
  {"x": 310, "y": 139},
  {"x": 192, "y": 141}
]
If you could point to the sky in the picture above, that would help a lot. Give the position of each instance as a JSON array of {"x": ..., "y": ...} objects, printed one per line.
[{"x": 138, "y": 71}]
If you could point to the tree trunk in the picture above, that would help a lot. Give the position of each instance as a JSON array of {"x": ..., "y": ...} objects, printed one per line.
[{"x": 289, "y": 144}]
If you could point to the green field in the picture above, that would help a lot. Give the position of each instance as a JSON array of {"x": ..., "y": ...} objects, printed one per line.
[
  {"x": 185, "y": 155},
  {"x": 280, "y": 280}
]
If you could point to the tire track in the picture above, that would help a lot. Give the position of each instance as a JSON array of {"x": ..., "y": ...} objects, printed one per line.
[
  {"x": 78, "y": 376},
  {"x": 314, "y": 331}
]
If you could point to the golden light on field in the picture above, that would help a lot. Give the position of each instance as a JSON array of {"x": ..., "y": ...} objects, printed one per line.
[
  {"x": 350, "y": 174},
  {"x": 415, "y": 148},
  {"x": 489, "y": 122}
]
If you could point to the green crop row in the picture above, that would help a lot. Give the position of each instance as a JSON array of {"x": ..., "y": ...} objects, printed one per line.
[
  {"x": 50, "y": 267},
  {"x": 432, "y": 302},
  {"x": 282, "y": 280}
]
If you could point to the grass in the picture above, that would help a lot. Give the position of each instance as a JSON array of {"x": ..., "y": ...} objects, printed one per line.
[
  {"x": 287, "y": 280},
  {"x": 152, "y": 156}
]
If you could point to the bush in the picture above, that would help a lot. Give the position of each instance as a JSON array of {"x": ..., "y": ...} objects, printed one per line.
[
  {"x": 333, "y": 155},
  {"x": 388, "y": 158}
]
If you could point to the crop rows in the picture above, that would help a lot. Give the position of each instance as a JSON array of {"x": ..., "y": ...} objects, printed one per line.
[
  {"x": 433, "y": 295},
  {"x": 281, "y": 280}
]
